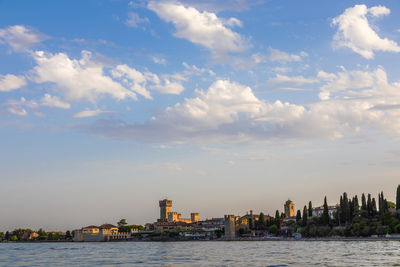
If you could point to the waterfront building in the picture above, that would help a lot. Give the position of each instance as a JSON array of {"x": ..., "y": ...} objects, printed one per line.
[
  {"x": 105, "y": 232},
  {"x": 289, "y": 208}
]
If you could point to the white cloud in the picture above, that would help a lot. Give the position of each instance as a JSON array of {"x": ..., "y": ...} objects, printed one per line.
[
  {"x": 134, "y": 20},
  {"x": 20, "y": 38},
  {"x": 353, "y": 83},
  {"x": 11, "y": 82},
  {"x": 203, "y": 28},
  {"x": 77, "y": 79},
  {"x": 356, "y": 100},
  {"x": 134, "y": 79},
  {"x": 17, "y": 107},
  {"x": 283, "y": 57},
  {"x": 158, "y": 60},
  {"x": 355, "y": 32},
  {"x": 90, "y": 113},
  {"x": 296, "y": 80},
  {"x": 54, "y": 101}
]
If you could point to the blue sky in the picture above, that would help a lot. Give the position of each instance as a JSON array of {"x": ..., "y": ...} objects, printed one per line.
[{"x": 221, "y": 106}]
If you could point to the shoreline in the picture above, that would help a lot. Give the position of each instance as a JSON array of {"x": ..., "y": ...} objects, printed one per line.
[{"x": 324, "y": 239}]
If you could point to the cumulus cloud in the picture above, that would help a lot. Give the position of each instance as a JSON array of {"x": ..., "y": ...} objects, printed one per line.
[
  {"x": 17, "y": 107},
  {"x": 202, "y": 28},
  {"x": 20, "y": 37},
  {"x": 54, "y": 101},
  {"x": 90, "y": 113},
  {"x": 296, "y": 80},
  {"x": 134, "y": 20},
  {"x": 77, "y": 79},
  {"x": 357, "y": 99},
  {"x": 279, "y": 56},
  {"x": 355, "y": 32},
  {"x": 11, "y": 82}
]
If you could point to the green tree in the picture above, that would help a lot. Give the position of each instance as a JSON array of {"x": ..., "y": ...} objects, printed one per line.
[
  {"x": 325, "y": 213},
  {"x": 277, "y": 218},
  {"x": 364, "y": 212},
  {"x": 122, "y": 222},
  {"x": 273, "y": 229},
  {"x": 369, "y": 206},
  {"x": 374, "y": 210},
  {"x": 305, "y": 215},
  {"x": 251, "y": 223},
  {"x": 398, "y": 198},
  {"x": 68, "y": 234},
  {"x": 309, "y": 209},
  {"x": 261, "y": 221},
  {"x": 298, "y": 216}
]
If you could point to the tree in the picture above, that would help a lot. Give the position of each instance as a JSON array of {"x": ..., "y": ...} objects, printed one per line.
[
  {"x": 398, "y": 198},
  {"x": 261, "y": 221},
  {"x": 364, "y": 212},
  {"x": 309, "y": 209},
  {"x": 122, "y": 222},
  {"x": 277, "y": 218},
  {"x": 374, "y": 210},
  {"x": 298, "y": 216},
  {"x": 273, "y": 229},
  {"x": 250, "y": 222},
  {"x": 305, "y": 215},
  {"x": 325, "y": 214},
  {"x": 369, "y": 206},
  {"x": 68, "y": 235}
]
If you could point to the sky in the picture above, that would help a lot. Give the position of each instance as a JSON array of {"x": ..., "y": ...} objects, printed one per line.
[{"x": 107, "y": 106}]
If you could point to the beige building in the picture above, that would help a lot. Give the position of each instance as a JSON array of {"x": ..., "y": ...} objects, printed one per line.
[{"x": 105, "y": 232}]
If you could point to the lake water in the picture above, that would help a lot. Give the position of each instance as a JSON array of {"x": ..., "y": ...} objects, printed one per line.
[{"x": 272, "y": 253}]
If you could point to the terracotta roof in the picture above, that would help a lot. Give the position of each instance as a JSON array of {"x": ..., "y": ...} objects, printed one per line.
[
  {"x": 107, "y": 226},
  {"x": 90, "y": 227}
]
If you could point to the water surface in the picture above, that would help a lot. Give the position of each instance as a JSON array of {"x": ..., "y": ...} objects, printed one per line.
[{"x": 252, "y": 253}]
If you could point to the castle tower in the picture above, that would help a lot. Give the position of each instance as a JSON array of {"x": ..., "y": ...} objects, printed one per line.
[
  {"x": 230, "y": 226},
  {"x": 194, "y": 217},
  {"x": 289, "y": 208},
  {"x": 165, "y": 209}
]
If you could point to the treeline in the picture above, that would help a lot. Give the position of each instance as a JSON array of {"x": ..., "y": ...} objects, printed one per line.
[
  {"x": 30, "y": 235},
  {"x": 351, "y": 217},
  {"x": 123, "y": 226}
]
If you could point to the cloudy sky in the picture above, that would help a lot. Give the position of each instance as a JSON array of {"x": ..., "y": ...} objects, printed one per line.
[{"x": 108, "y": 106}]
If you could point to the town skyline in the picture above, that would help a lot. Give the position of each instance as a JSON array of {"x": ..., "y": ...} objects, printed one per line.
[{"x": 227, "y": 106}]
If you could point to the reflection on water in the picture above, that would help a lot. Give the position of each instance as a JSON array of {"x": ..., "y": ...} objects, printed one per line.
[{"x": 279, "y": 253}]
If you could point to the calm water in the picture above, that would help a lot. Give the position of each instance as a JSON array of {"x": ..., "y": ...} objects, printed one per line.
[{"x": 300, "y": 253}]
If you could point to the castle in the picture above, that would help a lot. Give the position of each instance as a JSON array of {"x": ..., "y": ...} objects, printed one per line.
[{"x": 166, "y": 215}]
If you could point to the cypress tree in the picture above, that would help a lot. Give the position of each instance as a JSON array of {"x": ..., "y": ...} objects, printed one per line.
[
  {"x": 298, "y": 216},
  {"x": 369, "y": 205},
  {"x": 277, "y": 218},
  {"x": 325, "y": 214},
  {"x": 305, "y": 215},
  {"x": 309, "y": 209},
  {"x": 346, "y": 207},
  {"x": 398, "y": 198},
  {"x": 374, "y": 211},
  {"x": 341, "y": 210},
  {"x": 364, "y": 212}
]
